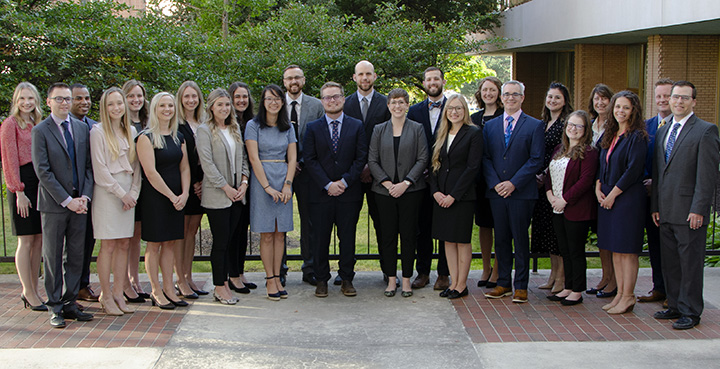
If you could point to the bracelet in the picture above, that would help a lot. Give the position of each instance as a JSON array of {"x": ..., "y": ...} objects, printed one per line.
[{"x": 266, "y": 186}]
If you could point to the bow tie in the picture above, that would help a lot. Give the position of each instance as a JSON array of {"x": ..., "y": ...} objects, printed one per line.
[{"x": 433, "y": 105}]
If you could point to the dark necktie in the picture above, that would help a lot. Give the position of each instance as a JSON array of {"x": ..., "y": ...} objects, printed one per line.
[
  {"x": 335, "y": 137},
  {"x": 671, "y": 141},
  {"x": 509, "y": 129},
  {"x": 294, "y": 121},
  {"x": 364, "y": 108},
  {"x": 71, "y": 152}
]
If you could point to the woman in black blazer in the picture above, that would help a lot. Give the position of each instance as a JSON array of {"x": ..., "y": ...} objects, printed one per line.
[
  {"x": 456, "y": 160},
  {"x": 397, "y": 158}
]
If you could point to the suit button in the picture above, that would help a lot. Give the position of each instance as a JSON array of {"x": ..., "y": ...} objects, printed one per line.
[{"x": 504, "y": 171}]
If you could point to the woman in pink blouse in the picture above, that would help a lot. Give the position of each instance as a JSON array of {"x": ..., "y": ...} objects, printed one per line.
[
  {"x": 22, "y": 187},
  {"x": 117, "y": 186}
]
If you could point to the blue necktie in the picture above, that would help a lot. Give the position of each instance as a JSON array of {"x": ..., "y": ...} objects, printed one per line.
[
  {"x": 71, "y": 152},
  {"x": 433, "y": 105},
  {"x": 508, "y": 130},
  {"x": 335, "y": 135},
  {"x": 671, "y": 141}
]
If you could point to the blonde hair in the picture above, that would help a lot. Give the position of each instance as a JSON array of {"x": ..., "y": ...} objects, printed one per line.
[
  {"x": 153, "y": 126},
  {"x": 230, "y": 121},
  {"x": 36, "y": 114},
  {"x": 444, "y": 129},
  {"x": 199, "y": 110},
  {"x": 125, "y": 125}
]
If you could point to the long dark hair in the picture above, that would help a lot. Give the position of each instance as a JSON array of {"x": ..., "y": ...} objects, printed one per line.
[
  {"x": 478, "y": 94},
  {"x": 144, "y": 113},
  {"x": 602, "y": 90},
  {"x": 567, "y": 108},
  {"x": 248, "y": 114},
  {"x": 283, "y": 122},
  {"x": 577, "y": 152},
  {"x": 635, "y": 121}
]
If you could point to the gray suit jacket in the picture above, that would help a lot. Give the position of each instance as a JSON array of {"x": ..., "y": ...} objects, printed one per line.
[
  {"x": 214, "y": 154},
  {"x": 685, "y": 183},
  {"x": 311, "y": 110},
  {"x": 412, "y": 156},
  {"x": 54, "y": 168}
]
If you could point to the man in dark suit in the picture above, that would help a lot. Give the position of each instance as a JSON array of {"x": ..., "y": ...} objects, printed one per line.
[
  {"x": 335, "y": 151},
  {"x": 687, "y": 153},
  {"x": 61, "y": 157},
  {"x": 427, "y": 113},
  {"x": 663, "y": 88},
  {"x": 301, "y": 109},
  {"x": 80, "y": 108},
  {"x": 514, "y": 151},
  {"x": 370, "y": 107}
]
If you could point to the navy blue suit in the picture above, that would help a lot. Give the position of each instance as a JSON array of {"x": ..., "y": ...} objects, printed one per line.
[
  {"x": 325, "y": 166},
  {"x": 651, "y": 230},
  {"x": 421, "y": 114},
  {"x": 517, "y": 162}
]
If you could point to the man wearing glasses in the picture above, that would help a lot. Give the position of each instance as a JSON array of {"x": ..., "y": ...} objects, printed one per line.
[
  {"x": 514, "y": 150},
  {"x": 687, "y": 153},
  {"x": 61, "y": 157},
  {"x": 335, "y": 152}
]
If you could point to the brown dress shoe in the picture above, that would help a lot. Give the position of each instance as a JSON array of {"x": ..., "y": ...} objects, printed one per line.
[
  {"x": 652, "y": 297},
  {"x": 347, "y": 288},
  {"x": 442, "y": 283},
  {"x": 499, "y": 292},
  {"x": 520, "y": 296},
  {"x": 321, "y": 290},
  {"x": 87, "y": 294},
  {"x": 421, "y": 281}
]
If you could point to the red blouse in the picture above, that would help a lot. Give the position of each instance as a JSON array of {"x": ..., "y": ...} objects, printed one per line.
[{"x": 16, "y": 149}]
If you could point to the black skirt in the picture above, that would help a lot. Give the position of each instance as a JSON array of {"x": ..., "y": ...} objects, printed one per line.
[
  {"x": 454, "y": 224},
  {"x": 30, "y": 225}
]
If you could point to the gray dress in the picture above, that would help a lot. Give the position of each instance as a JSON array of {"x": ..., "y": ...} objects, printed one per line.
[{"x": 272, "y": 145}]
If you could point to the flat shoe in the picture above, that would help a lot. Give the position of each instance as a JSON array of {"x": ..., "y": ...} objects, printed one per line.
[
  {"x": 594, "y": 291},
  {"x": 603, "y": 294},
  {"x": 407, "y": 293},
  {"x": 390, "y": 293},
  {"x": 491, "y": 284},
  {"x": 566, "y": 302},
  {"x": 445, "y": 293},
  {"x": 555, "y": 298}
]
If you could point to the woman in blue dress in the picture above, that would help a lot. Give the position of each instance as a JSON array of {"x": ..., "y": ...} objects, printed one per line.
[{"x": 270, "y": 144}]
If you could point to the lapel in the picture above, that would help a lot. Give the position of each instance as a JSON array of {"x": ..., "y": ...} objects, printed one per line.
[
  {"x": 324, "y": 127},
  {"x": 689, "y": 125},
  {"x": 352, "y": 106},
  {"x": 389, "y": 139},
  {"x": 518, "y": 125},
  {"x": 227, "y": 147},
  {"x": 461, "y": 133},
  {"x": 572, "y": 164},
  {"x": 303, "y": 112},
  {"x": 55, "y": 130}
]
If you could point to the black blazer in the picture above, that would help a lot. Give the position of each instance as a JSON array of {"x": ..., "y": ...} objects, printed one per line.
[
  {"x": 377, "y": 112},
  {"x": 421, "y": 114},
  {"x": 196, "y": 172},
  {"x": 325, "y": 166},
  {"x": 460, "y": 165}
]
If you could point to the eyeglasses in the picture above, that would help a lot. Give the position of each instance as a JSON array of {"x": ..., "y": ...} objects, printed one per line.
[
  {"x": 455, "y": 108},
  {"x": 681, "y": 97},
  {"x": 576, "y": 126},
  {"x": 514, "y": 94},
  {"x": 60, "y": 99},
  {"x": 273, "y": 99},
  {"x": 397, "y": 103},
  {"x": 333, "y": 97}
]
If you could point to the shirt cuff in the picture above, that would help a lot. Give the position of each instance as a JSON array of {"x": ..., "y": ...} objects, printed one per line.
[{"x": 66, "y": 202}]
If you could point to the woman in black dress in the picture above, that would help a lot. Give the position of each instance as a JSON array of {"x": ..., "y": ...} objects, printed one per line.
[
  {"x": 488, "y": 98},
  {"x": 242, "y": 102},
  {"x": 456, "y": 160},
  {"x": 191, "y": 113},
  {"x": 543, "y": 240},
  {"x": 165, "y": 190}
]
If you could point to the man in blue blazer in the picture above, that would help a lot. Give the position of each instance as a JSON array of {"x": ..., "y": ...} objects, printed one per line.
[
  {"x": 514, "y": 151},
  {"x": 80, "y": 108},
  {"x": 428, "y": 113},
  {"x": 61, "y": 158},
  {"x": 335, "y": 152},
  {"x": 663, "y": 88}
]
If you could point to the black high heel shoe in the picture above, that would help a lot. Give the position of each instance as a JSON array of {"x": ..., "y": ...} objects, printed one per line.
[
  {"x": 244, "y": 290},
  {"x": 168, "y": 306},
  {"x": 250, "y": 285},
  {"x": 603, "y": 294},
  {"x": 137, "y": 300},
  {"x": 176, "y": 303},
  {"x": 200, "y": 292},
  {"x": 192, "y": 296},
  {"x": 594, "y": 291},
  {"x": 482, "y": 283},
  {"x": 455, "y": 294},
  {"x": 41, "y": 307}
]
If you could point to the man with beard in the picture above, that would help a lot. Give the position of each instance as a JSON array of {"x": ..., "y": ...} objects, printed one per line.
[
  {"x": 302, "y": 109},
  {"x": 79, "y": 110},
  {"x": 428, "y": 113},
  {"x": 335, "y": 151},
  {"x": 371, "y": 109}
]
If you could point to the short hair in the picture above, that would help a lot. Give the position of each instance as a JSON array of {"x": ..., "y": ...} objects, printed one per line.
[
  {"x": 332, "y": 84},
  {"x": 664, "y": 81},
  {"x": 513, "y": 82},
  {"x": 602, "y": 90},
  {"x": 685, "y": 84},
  {"x": 430, "y": 69},
  {"x": 398, "y": 93},
  {"x": 57, "y": 85},
  {"x": 291, "y": 66},
  {"x": 77, "y": 85},
  {"x": 478, "y": 94}
]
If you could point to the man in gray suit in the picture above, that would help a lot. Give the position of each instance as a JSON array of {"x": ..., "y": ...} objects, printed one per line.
[
  {"x": 61, "y": 157},
  {"x": 302, "y": 109},
  {"x": 687, "y": 153}
]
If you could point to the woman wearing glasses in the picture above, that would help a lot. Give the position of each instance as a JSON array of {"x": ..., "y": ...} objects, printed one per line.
[{"x": 270, "y": 143}]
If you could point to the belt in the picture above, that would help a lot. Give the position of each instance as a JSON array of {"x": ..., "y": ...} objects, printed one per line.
[{"x": 273, "y": 161}]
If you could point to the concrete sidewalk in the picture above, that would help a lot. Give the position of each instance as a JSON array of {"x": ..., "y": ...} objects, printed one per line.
[{"x": 367, "y": 331}]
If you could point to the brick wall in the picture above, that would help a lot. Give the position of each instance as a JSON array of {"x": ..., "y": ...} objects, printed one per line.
[
  {"x": 532, "y": 70},
  {"x": 598, "y": 64}
]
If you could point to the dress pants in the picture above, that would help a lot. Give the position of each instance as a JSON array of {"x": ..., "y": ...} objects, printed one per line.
[
  {"x": 345, "y": 216},
  {"x": 226, "y": 232},
  {"x": 425, "y": 240},
  {"x": 512, "y": 220},
  {"x": 88, "y": 251},
  {"x": 63, "y": 248},
  {"x": 399, "y": 215},
  {"x": 572, "y": 237},
  {"x": 373, "y": 211},
  {"x": 683, "y": 259},
  {"x": 301, "y": 186},
  {"x": 653, "y": 236}
]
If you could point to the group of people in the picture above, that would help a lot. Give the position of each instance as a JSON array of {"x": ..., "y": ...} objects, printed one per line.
[{"x": 150, "y": 171}]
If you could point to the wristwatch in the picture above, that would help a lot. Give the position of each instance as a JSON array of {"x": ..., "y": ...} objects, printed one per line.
[
  {"x": 288, "y": 182},
  {"x": 244, "y": 181},
  {"x": 408, "y": 183}
]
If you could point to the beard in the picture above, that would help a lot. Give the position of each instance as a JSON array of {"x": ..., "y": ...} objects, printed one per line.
[{"x": 434, "y": 91}]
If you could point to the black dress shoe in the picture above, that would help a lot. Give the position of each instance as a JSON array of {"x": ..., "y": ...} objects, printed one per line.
[
  {"x": 168, "y": 306},
  {"x": 603, "y": 294},
  {"x": 136, "y": 300},
  {"x": 250, "y": 285},
  {"x": 146, "y": 295},
  {"x": 483, "y": 283},
  {"x": 244, "y": 290},
  {"x": 555, "y": 298},
  {"x": 75, "y": 314},
  {"x": 176, "y": 303},
  {"x": 667, "y": 314},
  {"x": 57, "y": 320},
  {"x": 198, "y": 291},
  {"x": 454, "y": 294},
  {"x": 594, "y": 291},
  {"x": 491, "y": 284},
  {"x": 566, "y": 302},
  {"x": 338, "y": 280},
  {"x": 310, "y": 278},
  {"x": 445, "y": 293},
  {"x": 686, "y": 322},
  {"x": 192, "y": 296}
]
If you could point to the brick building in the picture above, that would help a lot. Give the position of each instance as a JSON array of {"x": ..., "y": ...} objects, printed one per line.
[{"x": 624, "y": 44}]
